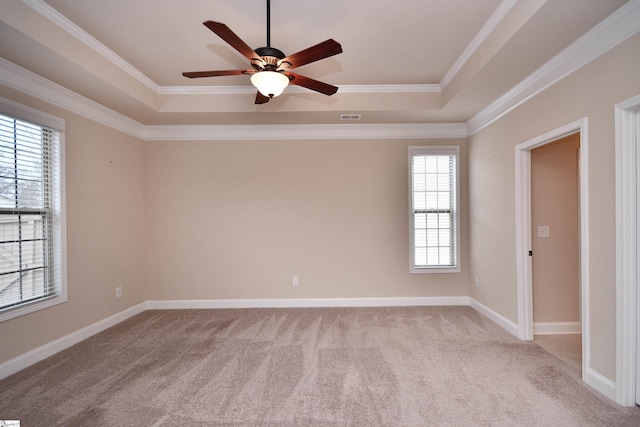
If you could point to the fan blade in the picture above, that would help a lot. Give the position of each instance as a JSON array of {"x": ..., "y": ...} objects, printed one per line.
[
  {"x": 312, "y": 84},
  {"x": 314, "y": 53},
  {"x": 234, "y": 41},
  {"x": 197, "y": 74},
  {"x": 261, "y": 99}
]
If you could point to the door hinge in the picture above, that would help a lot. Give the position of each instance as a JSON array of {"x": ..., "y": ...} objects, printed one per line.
[{"x": 530, "y": 253}]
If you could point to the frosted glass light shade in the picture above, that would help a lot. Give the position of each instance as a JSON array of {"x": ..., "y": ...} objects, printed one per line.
[{"x": 270, "y": 83}]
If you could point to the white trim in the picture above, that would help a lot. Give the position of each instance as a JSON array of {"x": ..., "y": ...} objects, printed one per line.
[
  {"x": 79, "y": 34},
  {"x": 600, "y": 383},
  {"x": 557, "y": 328},
  {"x": 308, "y": 131},
  {"x": 32, "y": 84},
  {"x": 306, "y": 302},
  {"x": 206, "y": 90},
  {"x": 626, "y": 250},
  {"x": 494, "y": 316},
  {"x": 25, "y": 360},
  {"x": 247, "y": 89},
  {"x": 619, "y": 26},
  {"x": 523, "y": 230},
  {"x": 496, "y": 17},
  {"x": 405, "y": 88},
  {"x": 524, "y": 273}
]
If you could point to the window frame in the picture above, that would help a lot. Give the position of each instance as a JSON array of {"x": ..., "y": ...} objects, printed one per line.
[
  {"x": 423, "y": 150},
  {"x": 59, "y": 248}
]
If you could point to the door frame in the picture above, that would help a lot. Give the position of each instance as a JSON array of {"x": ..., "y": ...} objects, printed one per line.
[
  {"x": 627, "y": 198},
  {"x": 524, "y": 275}
]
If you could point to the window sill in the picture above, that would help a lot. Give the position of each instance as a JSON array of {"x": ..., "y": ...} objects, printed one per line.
[{"x": 419, "y": 270}]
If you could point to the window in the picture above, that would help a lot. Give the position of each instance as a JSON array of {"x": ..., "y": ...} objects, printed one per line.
[
  {"x": 433, "y": 214},
  {"x": 31, "y": 210}
]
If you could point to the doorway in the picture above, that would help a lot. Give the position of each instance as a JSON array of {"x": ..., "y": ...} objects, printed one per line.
[
  {"x": 524, "y": 230},
  {"x": 555, "y": 244}
]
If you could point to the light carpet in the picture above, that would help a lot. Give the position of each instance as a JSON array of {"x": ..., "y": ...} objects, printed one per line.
[{"x": 401, "y": 366}]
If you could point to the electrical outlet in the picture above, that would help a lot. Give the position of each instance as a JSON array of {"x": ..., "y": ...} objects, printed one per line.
[
  {"x": 118, "y": 291},
  {"x": 296, "y": 282},
  {"x": 477, "y": 282}
]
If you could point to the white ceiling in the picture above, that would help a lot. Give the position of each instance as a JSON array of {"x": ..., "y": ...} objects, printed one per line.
[{"x": 414, "y": 61}]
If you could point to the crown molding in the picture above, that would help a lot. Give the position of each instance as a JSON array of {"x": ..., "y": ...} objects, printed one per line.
[
  {"x": 235, "y": 90},
  {"x": 23, "y": 80},
  {"x": 306, "y": 131},
  {"x": 206, "y": 90},
  {"x": 27, "y": 82},
  {"x": 419, "y": 88},
  {"x": 616, "y": 28},
  {"x": 619, "y": 26},
  {"x": 61, "y": 21},
  {"x": 496, "y": 17}
]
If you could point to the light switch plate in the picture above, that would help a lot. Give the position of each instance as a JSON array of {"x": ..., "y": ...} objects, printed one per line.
[{"x": 543, "y": 231}]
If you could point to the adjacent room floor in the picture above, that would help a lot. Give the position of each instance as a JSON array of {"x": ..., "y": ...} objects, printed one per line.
[{"x": 567, "y": 348}]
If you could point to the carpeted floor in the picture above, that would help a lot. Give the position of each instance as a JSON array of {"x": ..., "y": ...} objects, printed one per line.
[{"x": 409, "y": 366}]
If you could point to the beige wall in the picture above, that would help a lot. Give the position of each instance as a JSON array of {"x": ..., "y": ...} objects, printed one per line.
[
  {"x": 590, "y": 92},
  {"x": 105, "y": 213},
  {"x": 239, "y": 219},
  {"x": 555, "y": 203},
  {"x": 236, "y": 219}
]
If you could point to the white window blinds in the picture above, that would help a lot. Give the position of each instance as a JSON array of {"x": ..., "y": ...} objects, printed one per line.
[
  {"x": 30, "y": 216},
  {"x": 433, "y": 214}
]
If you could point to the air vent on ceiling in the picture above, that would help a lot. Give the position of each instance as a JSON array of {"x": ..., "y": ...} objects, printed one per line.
[{"x": 350, "y": 117}]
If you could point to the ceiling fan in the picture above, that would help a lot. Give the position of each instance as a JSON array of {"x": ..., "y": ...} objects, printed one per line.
[{"x": 270, "y": 67}]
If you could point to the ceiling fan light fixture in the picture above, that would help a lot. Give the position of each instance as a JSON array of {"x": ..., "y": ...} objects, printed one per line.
[
  {"x": 270, "y": 83},
  {"x": 270, "y": 68}
]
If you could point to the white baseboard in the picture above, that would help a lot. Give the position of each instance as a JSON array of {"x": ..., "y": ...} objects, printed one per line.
[
  {"x": 507, "y": 324},
  {"x": 600, "y": 383},
  {"x": 556, "y": 328},
  {"x": 18, "y": 363},
  {"x": 306, "y": 302}
]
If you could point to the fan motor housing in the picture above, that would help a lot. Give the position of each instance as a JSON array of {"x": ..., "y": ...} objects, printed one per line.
[
  {"x": 270, "y": 51},
  {"x": 270, "y": 57}
]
